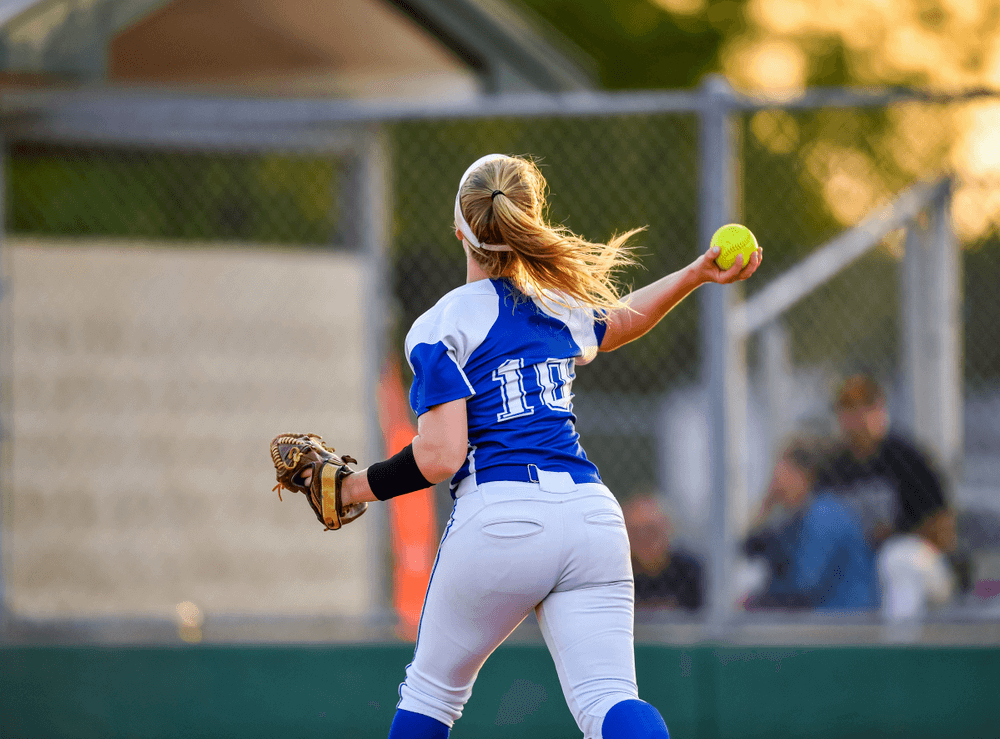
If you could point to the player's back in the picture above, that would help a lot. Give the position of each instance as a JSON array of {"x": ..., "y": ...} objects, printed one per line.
[{"x": 514, "y": 358}]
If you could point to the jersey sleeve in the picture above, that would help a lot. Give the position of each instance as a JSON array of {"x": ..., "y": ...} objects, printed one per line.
[
  {"x": 587, "y": 333},
  {"x": 581, "y": 321},
  {"x": 441, "y": 341},
  {"x": 600, "y": 326},
  {"x": 437, "y": 376}
]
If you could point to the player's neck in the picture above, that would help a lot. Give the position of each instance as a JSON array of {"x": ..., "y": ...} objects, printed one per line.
[{"x": 473, "y": 272}]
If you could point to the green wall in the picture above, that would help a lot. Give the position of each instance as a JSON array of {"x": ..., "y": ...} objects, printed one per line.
[{"x": 334, "y": 691}]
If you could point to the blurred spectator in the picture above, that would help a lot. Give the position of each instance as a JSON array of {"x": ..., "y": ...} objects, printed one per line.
[
  {"x": 881, "y": 475},
  {"x": 813, "y": 543},
  {"x": 901, "y": 499},
  {"x": 664, "y": 577},
  {"x": 775, "y": 530}
]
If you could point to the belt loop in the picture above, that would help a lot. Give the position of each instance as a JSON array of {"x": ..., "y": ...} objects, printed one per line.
[{"x": 532, "y": 473}]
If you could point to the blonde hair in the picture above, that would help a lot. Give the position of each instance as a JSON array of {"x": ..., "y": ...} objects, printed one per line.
[{"x": 503, "y": 202}]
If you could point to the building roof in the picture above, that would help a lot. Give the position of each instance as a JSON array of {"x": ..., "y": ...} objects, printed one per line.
[{"x": 349, "y": 48}]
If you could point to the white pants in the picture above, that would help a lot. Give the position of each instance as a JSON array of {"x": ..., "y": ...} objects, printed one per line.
[{"x": 512, "y": 547}]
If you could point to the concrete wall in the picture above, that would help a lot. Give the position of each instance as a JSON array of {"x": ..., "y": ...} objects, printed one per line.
[{"x": 142, "y": 386}]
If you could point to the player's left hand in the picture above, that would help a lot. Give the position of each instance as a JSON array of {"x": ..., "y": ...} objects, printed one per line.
[
  {"x": 709, "y": 271},
  {"x": 303, "y": 463}
]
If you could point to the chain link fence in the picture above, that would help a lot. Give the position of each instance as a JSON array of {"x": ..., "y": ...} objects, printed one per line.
[{"x": 804, "y": 174}]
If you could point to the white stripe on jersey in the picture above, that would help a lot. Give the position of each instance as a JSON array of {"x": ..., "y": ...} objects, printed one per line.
[{"x": 461, "y": 324}]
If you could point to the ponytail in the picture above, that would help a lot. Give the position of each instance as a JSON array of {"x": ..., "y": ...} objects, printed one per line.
[{"x": 503, "y": 203}]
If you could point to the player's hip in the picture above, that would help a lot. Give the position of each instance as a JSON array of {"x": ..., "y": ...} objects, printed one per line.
[{"x": 569, "y": 521}]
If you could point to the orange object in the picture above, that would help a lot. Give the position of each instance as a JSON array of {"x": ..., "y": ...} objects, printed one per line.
[{"x": 412, "y": 520}]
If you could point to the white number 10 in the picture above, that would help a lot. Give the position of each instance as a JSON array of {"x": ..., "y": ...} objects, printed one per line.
[{"x": 555, "y": 377}]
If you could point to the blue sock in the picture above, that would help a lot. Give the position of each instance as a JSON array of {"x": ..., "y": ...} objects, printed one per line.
[
  {"x": 410, "y": 725},
  {"x": 634, "y": 719}
]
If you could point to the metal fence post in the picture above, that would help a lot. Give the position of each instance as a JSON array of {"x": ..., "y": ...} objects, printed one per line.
[
  {"x": 4, "y": 390},
  {"x": 933, "y": 334},
  {"x": 778, "y": 383},
  {"x": 944, "y": 336},
  {"x": 723, "y": 355},
  {"x": 372, "y": 211},
  {"x": 912, "y": 314},
  {"x": 947, "y": 269}
]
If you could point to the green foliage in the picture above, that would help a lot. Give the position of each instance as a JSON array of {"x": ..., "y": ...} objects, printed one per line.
[
  {"x": 63, "y": 191},
  {"x": 637, "y": 44}
]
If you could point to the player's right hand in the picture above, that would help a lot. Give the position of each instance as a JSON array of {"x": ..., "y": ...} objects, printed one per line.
[{"x": 709, "y": 271}]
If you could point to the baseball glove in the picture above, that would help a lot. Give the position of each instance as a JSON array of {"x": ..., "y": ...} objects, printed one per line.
[{"x": 293, "y": 454}]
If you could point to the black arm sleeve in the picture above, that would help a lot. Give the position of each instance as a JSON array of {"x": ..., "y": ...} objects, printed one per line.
[{"x": 397, "y": 475}]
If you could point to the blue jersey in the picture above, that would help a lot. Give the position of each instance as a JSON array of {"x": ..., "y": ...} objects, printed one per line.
[{"x": 514, "y": 359}]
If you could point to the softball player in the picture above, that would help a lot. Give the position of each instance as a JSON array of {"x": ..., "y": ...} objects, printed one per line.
[{"x": 533, "y": 527}]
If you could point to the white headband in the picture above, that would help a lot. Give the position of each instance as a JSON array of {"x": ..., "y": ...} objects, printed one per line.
[{"x": 460, "y": 219}]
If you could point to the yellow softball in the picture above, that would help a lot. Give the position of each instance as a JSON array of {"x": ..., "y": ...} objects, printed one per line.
[{"x": 733, "y": 239}]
